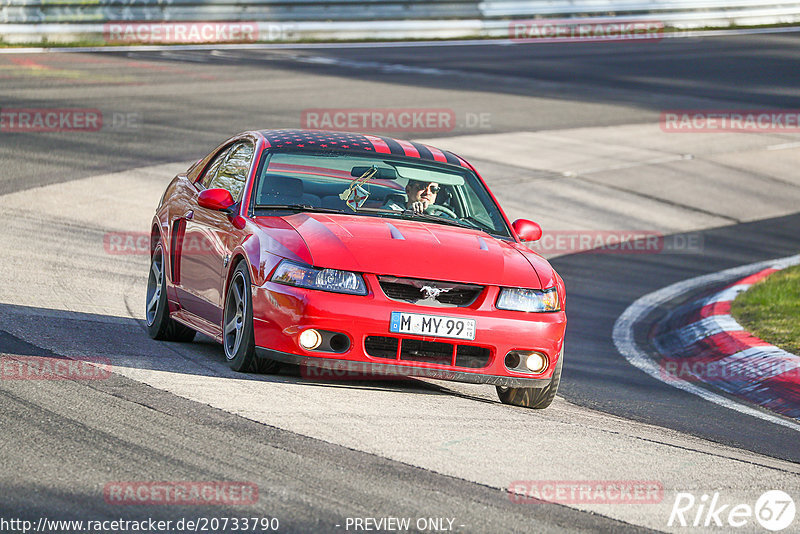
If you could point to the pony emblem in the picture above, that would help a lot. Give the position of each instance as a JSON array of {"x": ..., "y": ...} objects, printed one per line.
[{"x": 432, "y": 293}]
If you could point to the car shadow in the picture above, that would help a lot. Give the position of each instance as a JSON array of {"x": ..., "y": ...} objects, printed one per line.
[{"x": 123, "y": 344}]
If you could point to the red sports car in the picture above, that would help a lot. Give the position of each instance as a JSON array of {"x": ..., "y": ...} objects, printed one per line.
[{"x": 335, "y": 249}]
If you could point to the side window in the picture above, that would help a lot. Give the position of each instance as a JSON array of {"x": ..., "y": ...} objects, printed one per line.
[
  {"x": 232, "y": 173},
  {"x": 211, "y": 170}
]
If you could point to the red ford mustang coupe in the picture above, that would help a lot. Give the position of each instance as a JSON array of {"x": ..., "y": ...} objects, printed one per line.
[{"x": 333, "y": 249}]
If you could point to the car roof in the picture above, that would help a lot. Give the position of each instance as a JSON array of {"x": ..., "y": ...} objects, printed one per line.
[{"x": 355, "y": 142}]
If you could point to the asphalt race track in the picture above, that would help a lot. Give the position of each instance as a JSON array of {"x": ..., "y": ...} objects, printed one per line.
[{"x": 565, "y": 134}]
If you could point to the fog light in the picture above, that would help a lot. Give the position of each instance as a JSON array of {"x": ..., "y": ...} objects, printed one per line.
[
  {"x": 310, "y": 339},
  {"x": 536, "y": 363}
]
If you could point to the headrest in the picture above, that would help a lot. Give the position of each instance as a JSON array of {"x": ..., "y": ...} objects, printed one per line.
[{"x": 277, "y": 187}]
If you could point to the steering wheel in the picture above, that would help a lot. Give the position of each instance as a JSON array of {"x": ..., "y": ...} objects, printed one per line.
[{"x": 438, "y": 209}]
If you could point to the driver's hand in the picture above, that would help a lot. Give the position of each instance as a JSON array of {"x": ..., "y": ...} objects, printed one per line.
[{"x": 419, "y": 206}]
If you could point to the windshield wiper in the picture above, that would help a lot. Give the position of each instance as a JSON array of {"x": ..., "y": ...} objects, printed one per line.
[
  {"x": 411, "y": 214},
  {"x": 475, "y": 223},
  {"x": 296, "y": 207}
]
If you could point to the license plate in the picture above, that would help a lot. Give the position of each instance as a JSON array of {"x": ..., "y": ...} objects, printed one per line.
[{"x": 432, "y": 325}]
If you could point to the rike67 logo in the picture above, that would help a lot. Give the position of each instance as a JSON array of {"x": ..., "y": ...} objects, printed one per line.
[{"x": 774, "y": 510}]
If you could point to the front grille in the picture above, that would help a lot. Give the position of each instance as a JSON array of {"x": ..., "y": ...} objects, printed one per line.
[
  {"x": 429, "y": 292},
  {"x": 417, "y": 350},
  {"x": 400, "y": 291},
  {"x": 381, "y": 346},
  {"x": 471, "y": 356}
]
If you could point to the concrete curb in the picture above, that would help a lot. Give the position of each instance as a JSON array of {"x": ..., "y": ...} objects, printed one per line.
[{"x": 701, "y": 342}]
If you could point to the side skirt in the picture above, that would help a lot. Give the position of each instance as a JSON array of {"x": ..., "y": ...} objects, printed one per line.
[{"x": 201, "y": 325}]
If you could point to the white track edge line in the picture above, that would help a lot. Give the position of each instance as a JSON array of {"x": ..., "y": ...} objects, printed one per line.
[{"x": 624, "y": 338}]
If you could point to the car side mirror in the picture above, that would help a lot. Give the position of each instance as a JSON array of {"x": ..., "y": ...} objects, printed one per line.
[
  {"x": 527, "y": 230},
  {"x": 215, "y": 199}
]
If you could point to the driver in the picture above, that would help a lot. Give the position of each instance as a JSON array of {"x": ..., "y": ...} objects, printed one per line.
[{"x": 420, "y": 196}]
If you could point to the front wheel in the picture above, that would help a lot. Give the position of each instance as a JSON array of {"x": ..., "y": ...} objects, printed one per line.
[
  {"x": 159, "y": 324},
  {"x": 536, "y": 398},
  {"x": 237, "y": 327}
]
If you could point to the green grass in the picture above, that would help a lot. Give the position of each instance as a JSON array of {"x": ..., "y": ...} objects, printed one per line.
[{"x": 770, "y": 309}]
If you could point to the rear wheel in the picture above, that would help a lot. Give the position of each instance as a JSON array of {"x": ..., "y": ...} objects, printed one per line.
[
  {"x": 159, "y": 324},
  {"x": 237, "y": 327},
  {"x": 536, "y": 398}
]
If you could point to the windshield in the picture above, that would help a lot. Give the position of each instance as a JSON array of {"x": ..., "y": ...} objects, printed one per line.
[{"x": 376, "y": 186}]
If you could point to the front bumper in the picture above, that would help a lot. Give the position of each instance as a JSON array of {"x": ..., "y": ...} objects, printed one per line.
[
  {"x": 282, "y": 312},
  {"x": 345, "y": 369}
]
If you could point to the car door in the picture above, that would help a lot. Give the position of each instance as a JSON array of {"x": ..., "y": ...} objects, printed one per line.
[{"x": 210, "y": 236}]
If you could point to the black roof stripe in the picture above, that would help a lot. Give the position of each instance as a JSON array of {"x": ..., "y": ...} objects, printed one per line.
[
  {"x": 424, "y": 153},
  {"x": 451, "y": 158},
  {"x": 330, "y": 140},
  {"x": 394, "y": 146}
]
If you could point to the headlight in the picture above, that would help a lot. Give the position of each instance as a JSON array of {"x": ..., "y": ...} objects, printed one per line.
[
  {"x": 528, "y": 300},
  {"x": 293, "y": 274}
]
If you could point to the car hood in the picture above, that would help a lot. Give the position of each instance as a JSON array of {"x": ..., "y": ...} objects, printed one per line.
[{"x": 407, "y": 248}]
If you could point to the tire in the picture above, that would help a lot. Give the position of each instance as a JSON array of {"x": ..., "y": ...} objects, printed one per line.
[
  {"x": 536, "y": 398},
  {"x": 159, "y": 324},
  {"x": 238, "y": 340}
]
